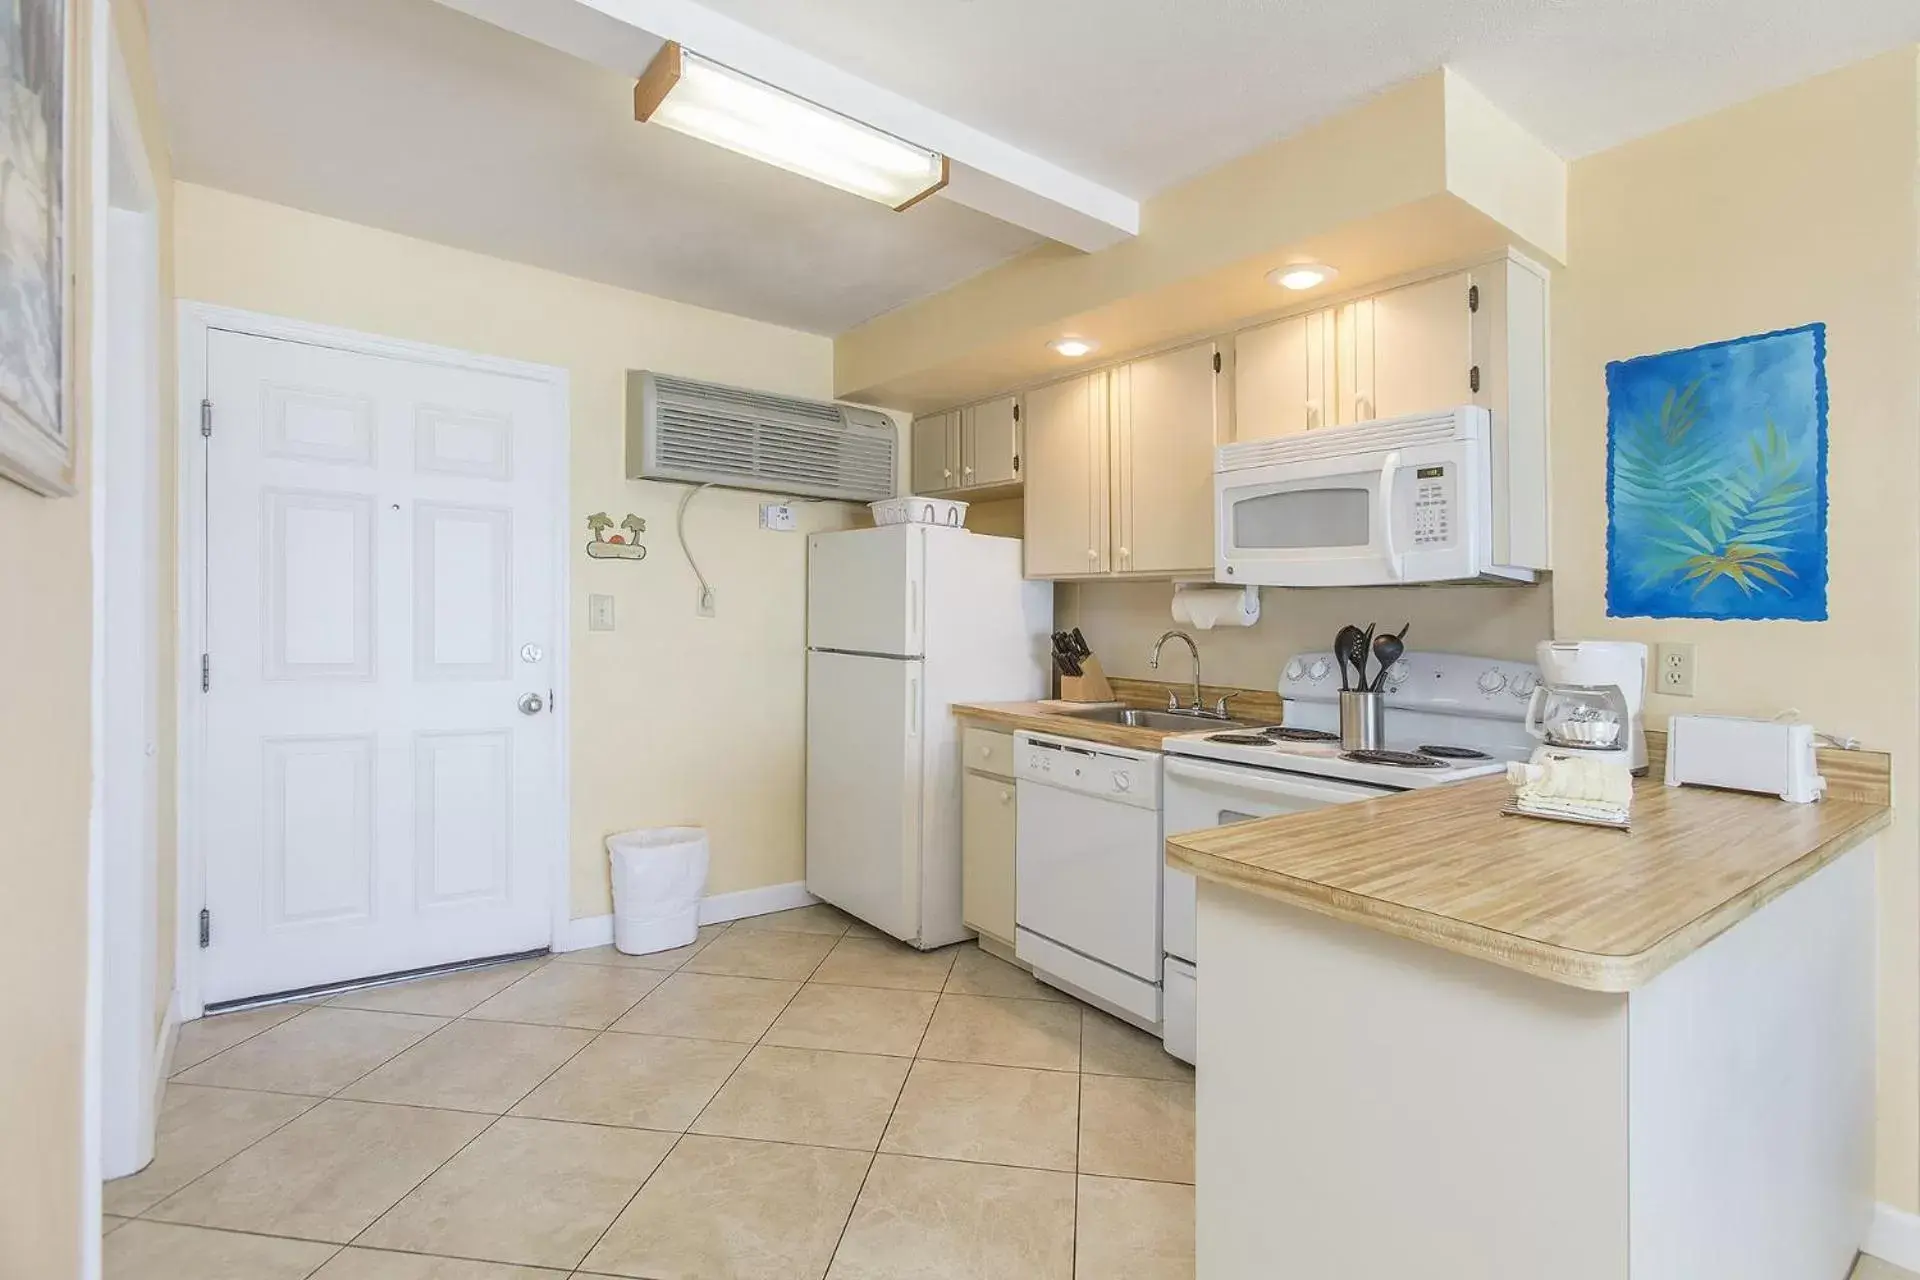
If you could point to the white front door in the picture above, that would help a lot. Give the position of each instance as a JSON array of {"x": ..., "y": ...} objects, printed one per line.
[{"x": 379, "y": 792}]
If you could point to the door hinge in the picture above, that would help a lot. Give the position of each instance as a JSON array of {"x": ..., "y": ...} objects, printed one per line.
[
  {"x": 206, "y": 673},
  {"x": 1016, "y": 464},
  {"x": 206, "y": 419},
  {"x": 1473, "y": 377},
  {"x": 1216, "y": 362},
  {"x": 1473, "y": 297},
  {"x": 1016, "y": 411},
  {"x": 206, "y": 928}
]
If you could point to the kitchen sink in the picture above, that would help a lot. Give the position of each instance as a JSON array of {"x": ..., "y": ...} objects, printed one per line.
[{"x": 1133, "y": 717}]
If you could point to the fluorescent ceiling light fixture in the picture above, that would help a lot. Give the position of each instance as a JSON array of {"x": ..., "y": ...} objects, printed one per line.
[
  {"x": 1074, "y": 348},
  {"x": 1301, "y": 275},
  {"x": 702, "y": 99}
]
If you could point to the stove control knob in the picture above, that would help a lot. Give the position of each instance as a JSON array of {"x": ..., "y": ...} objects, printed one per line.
[
  {"x": 1492, "y": 681},
  {"x": 1319, "y": 670},
  {"x": 1295, "y": 669},
  {"x": 1122, "y": 782},
  {"x": 1521, "y": 686}
]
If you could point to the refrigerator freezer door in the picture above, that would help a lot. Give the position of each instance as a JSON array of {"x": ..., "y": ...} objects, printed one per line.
[
  {"x": 866, "y": 733},
  {"x": 866, "y": 591}
]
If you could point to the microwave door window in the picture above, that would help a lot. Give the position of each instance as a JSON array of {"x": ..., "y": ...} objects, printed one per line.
[{"x": 1304, "y": 519}]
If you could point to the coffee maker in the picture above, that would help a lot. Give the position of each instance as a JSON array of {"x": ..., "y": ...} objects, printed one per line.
[{"x": 1597, "y": 664}]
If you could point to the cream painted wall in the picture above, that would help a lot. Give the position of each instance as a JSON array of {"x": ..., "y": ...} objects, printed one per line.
[
  {"x": 1121, "y": 620},
  {"x": 45, "y": 638},
  {"x": 676, "y": 718},
  {"x": 1795, "y": 207}
]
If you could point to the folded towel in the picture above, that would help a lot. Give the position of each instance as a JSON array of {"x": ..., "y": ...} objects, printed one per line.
[{"x": 1584, "y": 780}]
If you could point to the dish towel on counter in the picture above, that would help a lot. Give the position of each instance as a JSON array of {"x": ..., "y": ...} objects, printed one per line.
[{"x": 1574, "y": 788}]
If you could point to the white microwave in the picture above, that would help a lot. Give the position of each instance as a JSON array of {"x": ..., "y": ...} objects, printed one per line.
[{"x": 1400, "y": 500}]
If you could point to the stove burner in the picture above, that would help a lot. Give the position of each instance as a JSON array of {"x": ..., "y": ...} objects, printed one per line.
[
  {"x": 1280, "y": 733},
  {"x": 1241, "y": 739},
  {"x": 1454, "y": 753},
  {"x": 1398, "y": 759}
]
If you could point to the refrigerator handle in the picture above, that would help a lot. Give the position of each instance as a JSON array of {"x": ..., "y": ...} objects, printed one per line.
[{"x": 913, "y": 706}]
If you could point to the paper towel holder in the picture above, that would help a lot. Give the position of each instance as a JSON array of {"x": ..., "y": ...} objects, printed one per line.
[{"x": 1246, "y": 612}]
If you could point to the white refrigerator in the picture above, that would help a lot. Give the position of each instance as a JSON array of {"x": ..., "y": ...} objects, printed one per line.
[{"x": 902, "y": 622}]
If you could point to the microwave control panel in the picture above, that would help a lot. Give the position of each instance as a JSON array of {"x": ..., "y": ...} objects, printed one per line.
[{"x": 1434, "y": 506}]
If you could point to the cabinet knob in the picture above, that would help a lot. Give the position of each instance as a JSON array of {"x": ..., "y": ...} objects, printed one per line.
[
  {"x": 1092, "y": 554},
  {"x": 1006, "y": 797},
  {"x": 1124, "y": 553},
  {"x": 967, "y": 471},
  {"x": 946, "y": 475},
  {"x": 986, "y": 753}
]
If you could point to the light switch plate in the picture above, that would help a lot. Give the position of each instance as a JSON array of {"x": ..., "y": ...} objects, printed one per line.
[{"x": 599, "y": 613}]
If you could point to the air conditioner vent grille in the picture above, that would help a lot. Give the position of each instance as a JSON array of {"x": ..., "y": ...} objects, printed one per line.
[{"x": 699, "y": 432}]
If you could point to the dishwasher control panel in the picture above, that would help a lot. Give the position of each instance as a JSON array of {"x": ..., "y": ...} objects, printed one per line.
[{"x": 1087, "y": 768}]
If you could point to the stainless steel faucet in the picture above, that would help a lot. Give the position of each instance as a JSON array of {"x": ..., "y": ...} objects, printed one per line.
[{"x": 1153, "y": 660}]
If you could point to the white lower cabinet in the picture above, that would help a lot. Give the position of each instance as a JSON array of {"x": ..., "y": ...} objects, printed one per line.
[{"x": 988, "y": 821}]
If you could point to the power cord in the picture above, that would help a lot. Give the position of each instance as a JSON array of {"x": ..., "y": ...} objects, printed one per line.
[{"x": 680, "y": 528}]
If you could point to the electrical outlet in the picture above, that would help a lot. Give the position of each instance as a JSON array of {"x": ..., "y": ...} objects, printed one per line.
[
  {"x": 1673, "y": 670},
  {"x": 703, "y": 605},
  {"x": 778, "y": 516},
  {"x": 599, "y": 613}
]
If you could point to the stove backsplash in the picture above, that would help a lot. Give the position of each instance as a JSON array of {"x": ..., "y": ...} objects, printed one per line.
[{"x": 1121, "y": 620}]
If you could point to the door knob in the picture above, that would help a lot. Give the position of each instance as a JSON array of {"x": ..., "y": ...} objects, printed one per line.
[{"x": 531, "y": 704}]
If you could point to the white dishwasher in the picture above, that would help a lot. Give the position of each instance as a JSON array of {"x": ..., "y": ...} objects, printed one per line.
[{"x": 1089, "y": 854}]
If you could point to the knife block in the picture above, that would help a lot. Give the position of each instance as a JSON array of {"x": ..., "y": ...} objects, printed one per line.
[{"x": 1089, "y": 686}]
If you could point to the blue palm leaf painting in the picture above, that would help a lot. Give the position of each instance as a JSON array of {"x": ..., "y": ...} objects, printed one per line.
[{"x": 1717, "y": 480}]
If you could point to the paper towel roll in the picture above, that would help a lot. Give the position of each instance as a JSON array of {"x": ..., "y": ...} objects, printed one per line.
[{"x": 1205, "y": 607}]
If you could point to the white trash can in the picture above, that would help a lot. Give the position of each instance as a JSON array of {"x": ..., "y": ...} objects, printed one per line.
[{"x": 659, "y": 877}]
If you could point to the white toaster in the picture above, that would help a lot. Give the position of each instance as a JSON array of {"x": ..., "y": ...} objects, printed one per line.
[{"x": 1744, "y": 755}]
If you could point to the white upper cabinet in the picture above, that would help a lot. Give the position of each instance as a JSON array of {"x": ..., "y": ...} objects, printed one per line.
[
  {"x": 972, "y": 448},
  {"x": 1282, "y": 377},
  {"x": 1408, "y": 350},
  {"x": 1165, "y": 428},
  {"x": 1066, "y": 523},
  {"x": 936, "y": 453},
  {"x": 1120, "y": 469},
  {"x": 990, "y": 443}
]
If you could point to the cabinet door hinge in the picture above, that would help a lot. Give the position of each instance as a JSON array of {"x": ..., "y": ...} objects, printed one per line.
[
  {"x": 1016, "y": 411},
  {"x": 206, "y": 673},
  {"x": 206, "y": 928},
  {"x": 1216, "y": 362},
  {"x": 206, "y": 419},
  {"x": 1473, "y": 378},
  {"x": 1473, "y": 297},
  {"x": 1016, "y": 464}
]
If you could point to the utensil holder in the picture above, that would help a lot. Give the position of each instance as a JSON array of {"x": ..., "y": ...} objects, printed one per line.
[{"x": 1363, "y": 720}]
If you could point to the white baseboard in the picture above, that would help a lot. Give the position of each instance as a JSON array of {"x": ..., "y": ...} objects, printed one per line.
[
  {"x": 597, "y": 931},
  {"x": 1894, "y": 1236}
]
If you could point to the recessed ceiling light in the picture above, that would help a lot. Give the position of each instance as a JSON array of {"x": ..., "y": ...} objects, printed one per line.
[
  {"x": 1301, "y": 275},
  {"x": 1074, "y": 348},
  {"x": 703, "y": 99}
]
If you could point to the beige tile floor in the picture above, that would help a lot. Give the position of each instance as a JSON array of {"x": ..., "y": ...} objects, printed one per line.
[{"x": 789, "y": 1097}]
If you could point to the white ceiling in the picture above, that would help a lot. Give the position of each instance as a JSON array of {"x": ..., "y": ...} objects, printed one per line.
[
  {"x": 1141, "y": 94},
  {"x": 406, "y": 115}
]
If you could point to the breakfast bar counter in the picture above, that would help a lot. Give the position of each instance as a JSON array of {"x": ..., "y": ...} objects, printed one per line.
[
  {"x": 1435, "y": 1040},
  {"x": 1585, "y": 906}
]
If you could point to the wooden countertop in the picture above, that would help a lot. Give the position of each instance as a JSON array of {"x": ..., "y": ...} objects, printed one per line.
[
  {"x": 1047, "y": 717},
  {"x": 1582, "y": 906}
]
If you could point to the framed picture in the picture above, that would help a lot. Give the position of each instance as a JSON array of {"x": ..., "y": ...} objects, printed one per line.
[
  {"x": 36, "y": 421},
  {"x": 1717, "y": 480}
]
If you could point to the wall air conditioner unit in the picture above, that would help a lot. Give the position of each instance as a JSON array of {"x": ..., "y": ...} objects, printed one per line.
[{"x": 704, "y": 433}]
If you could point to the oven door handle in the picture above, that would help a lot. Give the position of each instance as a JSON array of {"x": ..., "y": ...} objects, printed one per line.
[
  {"x": 1387, "y": 468},
  {"x": 1255, "y": 781}
]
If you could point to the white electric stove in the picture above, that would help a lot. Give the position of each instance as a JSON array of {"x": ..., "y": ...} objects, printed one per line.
[{"x": 1448, "y": 718}]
